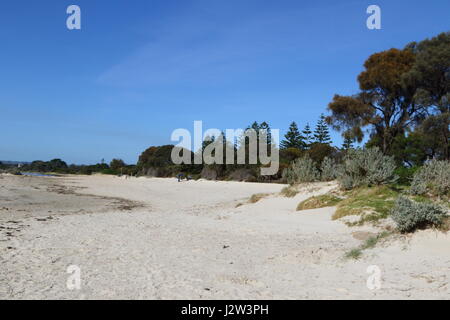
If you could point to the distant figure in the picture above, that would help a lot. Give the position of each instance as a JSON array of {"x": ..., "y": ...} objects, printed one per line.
[
  {"x": 188, "y": 178},
  {"x": 180, "y": 177}
]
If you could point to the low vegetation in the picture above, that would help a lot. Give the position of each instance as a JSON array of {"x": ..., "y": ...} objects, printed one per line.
[
  {"x": 289, "y": 191},
  {"x": 322, "y": 201},
  {"x": 301, "y": 170},
  {"x": 366, "y": 167},
  {"x": 432, "y": 179},
  {"x": 371, "y": 203},
  {"x": 370, "y": 243},
  {"x": 328, "y": 169},
  {"x": 410, "y": 215},
  {"x": 256, "y": 197}
]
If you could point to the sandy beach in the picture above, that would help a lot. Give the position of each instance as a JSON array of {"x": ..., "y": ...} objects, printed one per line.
[{"x": 150, "y": 238}]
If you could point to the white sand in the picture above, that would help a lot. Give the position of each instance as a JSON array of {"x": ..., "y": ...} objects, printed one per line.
[{"x": 188, "y": 240}]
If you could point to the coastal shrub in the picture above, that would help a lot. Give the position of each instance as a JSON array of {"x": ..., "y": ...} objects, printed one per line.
[
  {"x": 432, "y": 178},
  {"x": 366, "y": 167},
  {"x": 328, "y": 169},
  {"x": 410, "y": 215},
  {"x": 301, "y": 170},
  {"x": 319, "y": 151}
]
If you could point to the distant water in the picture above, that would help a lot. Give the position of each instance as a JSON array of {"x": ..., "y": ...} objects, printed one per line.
[{"x": 35, "y": 174}]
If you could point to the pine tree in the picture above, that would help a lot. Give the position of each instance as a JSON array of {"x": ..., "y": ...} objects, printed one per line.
[
  {"x": 307, "y": 136},
  {"x": 293, "y": 138},
  {"x": 264, "y": 127},
  {"x": 321, "y": 133},
  {"x": 348, "y": 143}
]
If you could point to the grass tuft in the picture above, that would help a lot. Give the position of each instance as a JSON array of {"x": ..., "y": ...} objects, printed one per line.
[
  {"x": 354, "y": 254},
  {"x": 256, "y": 197},
  {"x": 322, "y": 201},
  {"x": 370, "y": 243},
  {"x": 289, "y": 191}
]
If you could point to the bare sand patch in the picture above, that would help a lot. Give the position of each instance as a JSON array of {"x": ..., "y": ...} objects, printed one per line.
[{"x": 189, "y": 241}]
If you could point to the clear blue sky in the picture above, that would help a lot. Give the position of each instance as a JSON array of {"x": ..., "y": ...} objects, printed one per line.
[{"x": 140, "y": 69}]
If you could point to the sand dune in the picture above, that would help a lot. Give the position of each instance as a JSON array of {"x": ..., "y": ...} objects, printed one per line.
[{"x": 144, "y": 238}]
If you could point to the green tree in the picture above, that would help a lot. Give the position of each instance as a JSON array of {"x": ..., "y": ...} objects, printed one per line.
[
  {"x": 431, "y": 75},
  {"x": 399, "y": 89},
  {"x": 117, "y": 164},
  {"x": 307, "y": 136},
  {"x": 431, "y": 72},
  {"x": 385, "y": 102},
  {"x": 321, "y": 133},
  {"x": 293, "y": 138},
  {"x": 348, "y": 143}
]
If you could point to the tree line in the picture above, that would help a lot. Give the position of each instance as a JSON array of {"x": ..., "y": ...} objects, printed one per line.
[{"x": 402, "y": 107}]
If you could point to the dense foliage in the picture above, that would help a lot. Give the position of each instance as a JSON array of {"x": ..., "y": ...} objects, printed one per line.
[
  {"x": 409, "y": 215},
  {"x": 404, "y": 101},
  {"x": 366, "y": 167},
  {"x": 433, "y": 178}
]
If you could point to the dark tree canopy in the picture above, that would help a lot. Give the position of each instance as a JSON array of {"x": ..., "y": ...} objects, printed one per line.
[
  {"x": 117, "y": 164},
  {"x": 293, "y": 138},
  {"x": 348, "y": 143},
  {"x": 399, "y": 89},
  {"x": 307, "y": 135},
  {"x": 321, "y": 133}
]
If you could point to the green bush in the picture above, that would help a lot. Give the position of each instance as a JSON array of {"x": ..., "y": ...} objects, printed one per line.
[
  {"x": 405, "y": 175},
  {"x": 432, "y": 178},
  {"x": 366, "y": 167},
  {"x": 328, "y": 169},
  {"x": 410, "y": 215},
  {"x": 301, "y": 170}
]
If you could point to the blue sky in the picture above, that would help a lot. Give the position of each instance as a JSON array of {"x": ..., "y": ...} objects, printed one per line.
[{"x": 139, "y": 69}]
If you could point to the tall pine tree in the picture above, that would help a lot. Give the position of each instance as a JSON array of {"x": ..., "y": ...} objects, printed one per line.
[
  {"x": 321, "y": 133},
  {"x": 293, "y": 138},
  {"x": 307, "y": 136},
  {"x": 348, "y": 143}
]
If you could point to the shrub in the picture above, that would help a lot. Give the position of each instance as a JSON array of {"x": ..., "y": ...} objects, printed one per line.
[
  {"x": 328, "y": 169},
  {"x": 366, "y": 167},
  {"x": 301, "y": 170},
  {"x": 409, "y": 215},
  {"x": 405, "y": 175},
  {"x": 433, "y": 178},
  {"x": 318, "y": 151}
]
